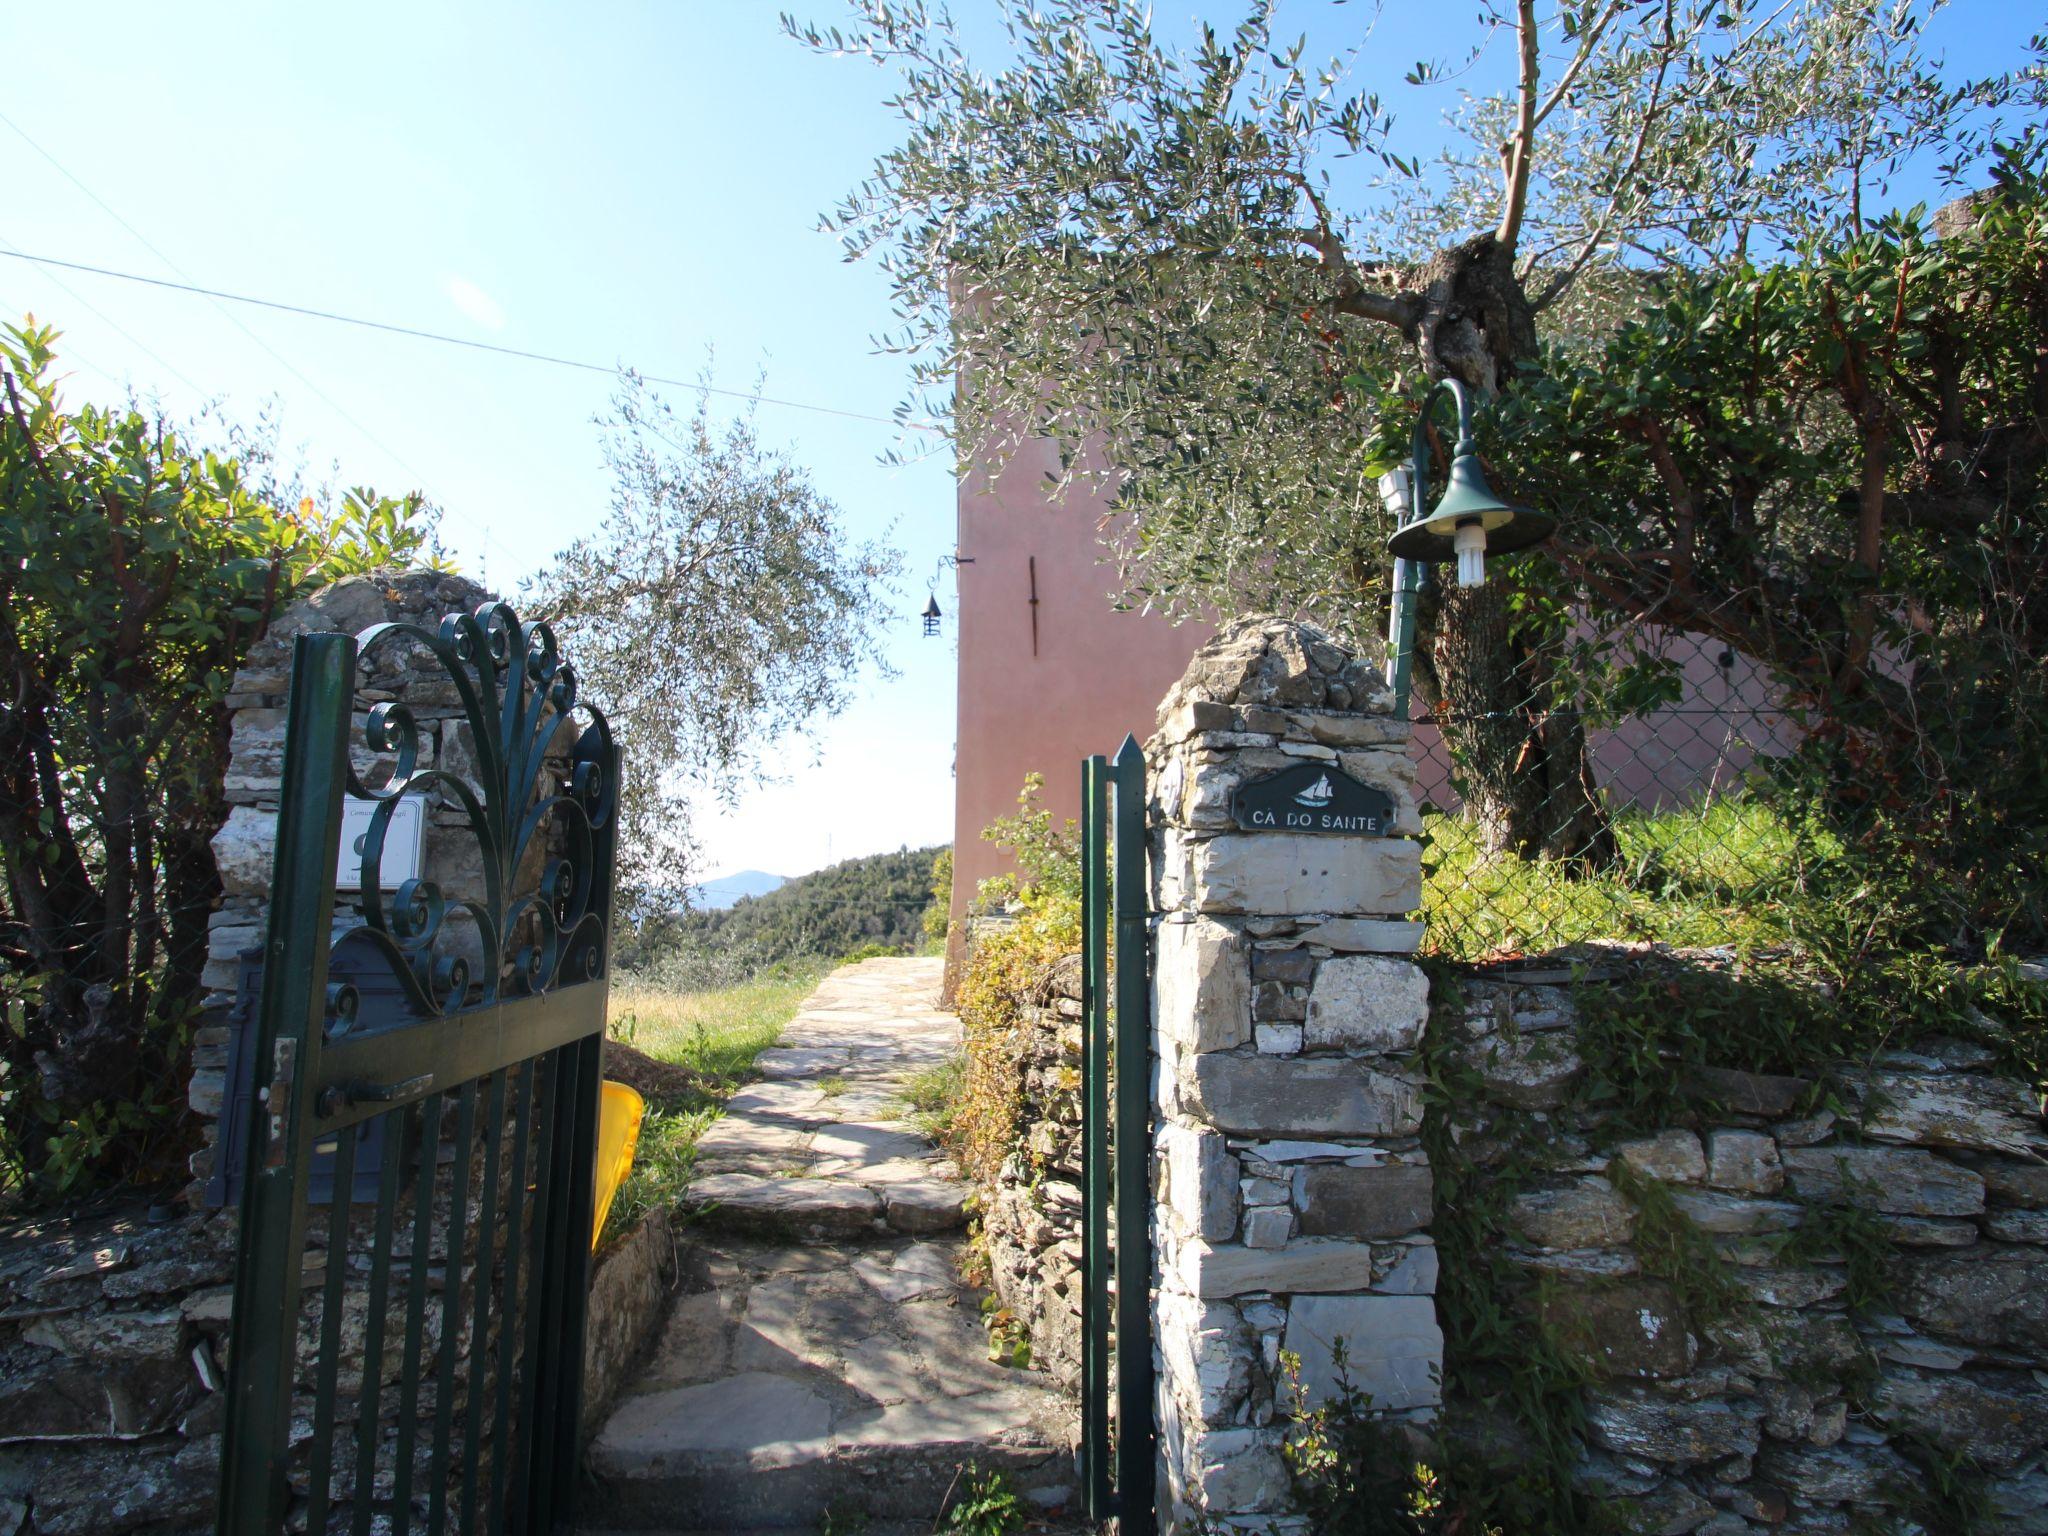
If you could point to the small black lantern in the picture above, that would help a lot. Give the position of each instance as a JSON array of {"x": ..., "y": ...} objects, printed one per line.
[{"x": 931, "y": 615}]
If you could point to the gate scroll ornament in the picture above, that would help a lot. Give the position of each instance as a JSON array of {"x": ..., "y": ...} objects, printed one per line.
[{"x": 508, "y": 1058}]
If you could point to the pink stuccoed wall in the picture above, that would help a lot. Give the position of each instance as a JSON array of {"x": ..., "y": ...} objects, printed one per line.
[{"x": 1098, "y": 675}]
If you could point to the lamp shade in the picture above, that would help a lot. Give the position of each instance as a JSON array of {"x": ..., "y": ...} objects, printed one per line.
[{"x": 1468, "y": 498}]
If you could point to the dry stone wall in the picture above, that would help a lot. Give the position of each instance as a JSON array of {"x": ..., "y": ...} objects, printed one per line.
[
  {"x": 1812, "y": 1306},
  {"x": 1031, "y": 1218},
  {"x": 1294, "y": 1196},
  {"x": 1775, "y": 1405}
]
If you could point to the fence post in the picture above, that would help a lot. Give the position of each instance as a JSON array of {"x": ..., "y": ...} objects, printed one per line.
[
  {"x": 263, "y": 1326},
  {"x": 1095, "y": 1458},
  {"x": 1294, "y": 1194},
  {"x": 1136, "y": 1439}
]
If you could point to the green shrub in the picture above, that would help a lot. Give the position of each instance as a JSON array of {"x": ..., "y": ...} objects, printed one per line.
[{"x": 1004, "y": 970}]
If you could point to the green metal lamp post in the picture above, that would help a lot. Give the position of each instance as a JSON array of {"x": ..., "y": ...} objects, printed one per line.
[{"x": 1468, "y": 524}]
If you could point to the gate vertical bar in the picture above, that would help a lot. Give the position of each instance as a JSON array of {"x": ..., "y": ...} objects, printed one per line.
[
  {"x": 1095, "y": 1456},
  {"x": 557, "y": 1443},
  {"x": 1135, "y": 1437},
  {"x": 264, "y": 1324}
]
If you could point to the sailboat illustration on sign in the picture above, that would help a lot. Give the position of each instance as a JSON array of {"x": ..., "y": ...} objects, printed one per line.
[{"x": 1317, "y": 795}]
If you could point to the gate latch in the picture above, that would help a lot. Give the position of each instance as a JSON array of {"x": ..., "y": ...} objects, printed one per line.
[{"x": 344, "y": 1095}]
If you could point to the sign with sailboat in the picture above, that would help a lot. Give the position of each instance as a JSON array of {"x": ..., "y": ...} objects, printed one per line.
[{"x": 1313, "y": 797}]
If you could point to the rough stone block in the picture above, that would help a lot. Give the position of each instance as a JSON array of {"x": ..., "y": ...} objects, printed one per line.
[
  {"x": 1392, "y": 1348},
  {"x": 1201, "y": 1180},
  {"x": 1367, "y": 1003},
  {"x": 1367, "y": 935},
  {"x": 1734, "y": 1215},
  {"x": 1588, "y": 1214},
  {"x": 1413, "y": 1271},
  {"x": 1275, "y": 1003},
  {"x": 1839, "y": 1474},
  {"x": 1278, "y": 1039},
  {"x": 1235, "y": 1471},
  {"x": 1623, "y": 1328},
  {"x": 1903, "y": 1182},
  {"x": 1672, "y": 1156},
  {"x": 1982, "y": 1114},
  {"x": 1997, "y": 1298},
  {"x": 1745, "y": 1162},
  {"x": 244, "y": 848},
  {"x": 2015, "y": 1183},
  {"x": 2000, "y": 1418},
  {"x": 1634, "y": 1422},
  {"x": 1206, "y": 1354},
  {"x": 1316, "y": 1265},
  {"x": 1746, "y": 1093},
  {"x": 1268, "y": 1226},
  {"x": 1202, "y": 986},
  {"x": 1296, "y": 874},
  {"x": 1278, "y": 1096},
  {"x": 1391, "y": 1201},
  {"x": 1527, "y": 1072}
]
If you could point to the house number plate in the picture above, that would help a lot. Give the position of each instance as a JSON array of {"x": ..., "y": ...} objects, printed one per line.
[{"x": 1315, "y": 797}]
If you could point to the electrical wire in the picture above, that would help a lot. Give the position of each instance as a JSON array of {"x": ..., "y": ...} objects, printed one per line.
[
  {"x": 284, "y": 362},
  {"x": 464, "y": 341}
]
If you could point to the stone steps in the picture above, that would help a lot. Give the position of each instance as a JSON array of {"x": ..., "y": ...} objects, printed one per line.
[{"x": 824, "y": 1357}]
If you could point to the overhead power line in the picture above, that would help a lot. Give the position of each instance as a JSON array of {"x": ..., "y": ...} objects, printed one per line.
[
  {"x": 340, "y": 410},
  {"x": 311, "y": 313}
]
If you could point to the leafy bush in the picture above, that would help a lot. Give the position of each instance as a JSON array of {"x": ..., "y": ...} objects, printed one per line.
[
  {"x": 1043, "y": 908},
  {"x": 136, "y": 569}
]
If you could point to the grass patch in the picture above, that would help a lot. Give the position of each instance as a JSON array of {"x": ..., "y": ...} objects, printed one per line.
[
  {"x": 716, "y": 1033},
  {"x": 1728, "y": 871},
  {"x": 931, "y": 1099}
]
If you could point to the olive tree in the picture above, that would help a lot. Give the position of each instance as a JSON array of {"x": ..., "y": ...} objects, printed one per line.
[
  {"x": 1199, "y": 267},
  {"x": 721, "y": 604}
]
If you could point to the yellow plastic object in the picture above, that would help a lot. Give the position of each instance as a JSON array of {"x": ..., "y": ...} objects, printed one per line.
[{"x": 619, "y": 1112}]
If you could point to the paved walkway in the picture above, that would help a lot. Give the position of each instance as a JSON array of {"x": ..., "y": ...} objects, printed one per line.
[{"x": 825, "y": 1366}]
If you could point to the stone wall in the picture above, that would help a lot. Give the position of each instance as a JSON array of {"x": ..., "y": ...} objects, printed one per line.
[
  {"x": 1031, "y": 1219},
  {"x": 1293, "y": 1192},
  {"x": 1696, "y": 1273},
  {"x": 113, "y": 1359},
  {"x": 1780, "y": 1408}
]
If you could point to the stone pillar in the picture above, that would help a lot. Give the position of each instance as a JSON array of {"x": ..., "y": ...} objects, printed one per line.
[
  {"x": 1294, "y": 1194},
  {"x": 246, "y": 842}
]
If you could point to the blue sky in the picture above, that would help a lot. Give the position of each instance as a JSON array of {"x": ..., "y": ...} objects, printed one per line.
[{"x": 626, "y": 183}]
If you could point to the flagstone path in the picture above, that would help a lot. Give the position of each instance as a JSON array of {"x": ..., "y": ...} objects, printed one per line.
[{"x": 825, "y": 1369}]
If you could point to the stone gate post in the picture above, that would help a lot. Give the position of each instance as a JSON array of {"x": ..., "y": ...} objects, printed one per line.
[{"x": 1293, "y": 1195}]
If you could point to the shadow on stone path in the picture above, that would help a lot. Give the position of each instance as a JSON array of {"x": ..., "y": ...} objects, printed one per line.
[{"x": 824, "y": 1360}]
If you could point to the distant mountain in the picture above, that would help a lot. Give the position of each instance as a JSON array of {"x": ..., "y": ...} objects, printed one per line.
[{"x": 717, "y": 895}]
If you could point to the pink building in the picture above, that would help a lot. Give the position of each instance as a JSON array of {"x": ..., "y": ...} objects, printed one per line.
[{"x": 1049, "y": 671}]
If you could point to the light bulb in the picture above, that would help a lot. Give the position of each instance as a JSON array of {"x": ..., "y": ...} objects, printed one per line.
[{"x": 1469, "y": 540}]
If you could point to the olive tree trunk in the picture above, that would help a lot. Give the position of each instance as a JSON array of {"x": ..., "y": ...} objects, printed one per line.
[{"x": 1527, "y": 768}]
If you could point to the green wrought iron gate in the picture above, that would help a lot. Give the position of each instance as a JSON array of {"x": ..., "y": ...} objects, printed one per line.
[
  {"x": 1117, "y": 1447},
  {"x": 416, "y": 1362}
]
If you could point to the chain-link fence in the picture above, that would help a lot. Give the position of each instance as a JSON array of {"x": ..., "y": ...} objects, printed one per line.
[{"x": 1590, "y": 813}]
